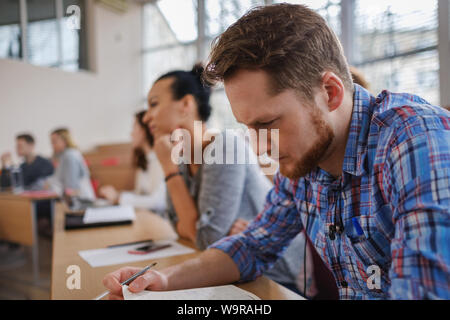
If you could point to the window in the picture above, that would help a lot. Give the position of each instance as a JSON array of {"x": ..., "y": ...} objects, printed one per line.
[
  {"x": 396, "y": 46},
  {"x": 221, "y": 14},
  {"x": 42, "y": 33},
  {"x": 50, "y": 41},
  {"x": 168, "y": 43},
  {"x": 10, "y": 32},
  {"x": 330, "y": 10},
  {"x": 184, "y": 28}
]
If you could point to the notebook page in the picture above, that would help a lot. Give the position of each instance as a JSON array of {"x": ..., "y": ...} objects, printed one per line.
[
  {"x": 110, "y": 256},
  {"x": 109, "y": 214},
  {"x": 228, "y": 292}
]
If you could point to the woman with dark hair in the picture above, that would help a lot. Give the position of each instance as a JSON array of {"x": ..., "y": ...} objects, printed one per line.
[
  {"x": 205, "y": 198},
  {"x": 150, "y": 191}
]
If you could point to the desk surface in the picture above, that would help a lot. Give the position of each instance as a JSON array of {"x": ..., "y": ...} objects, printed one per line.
[
  {"x": 28, "y": 195},
  {"x": 17, "y": 215},
  {"x": 66, "y": 245}
]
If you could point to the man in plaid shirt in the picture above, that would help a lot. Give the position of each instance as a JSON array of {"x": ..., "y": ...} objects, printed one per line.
[
  {"x": 395, "y": 185},
  {"x": 367, "y": 178}
]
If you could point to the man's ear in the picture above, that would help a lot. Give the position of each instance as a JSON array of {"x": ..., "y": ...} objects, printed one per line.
[{"x": 334, "y": 88}]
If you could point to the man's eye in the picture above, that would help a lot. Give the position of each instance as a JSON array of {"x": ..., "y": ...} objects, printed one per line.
[
  {"x": 268, "y": 123},
  {"x": 154, "y": 104}
]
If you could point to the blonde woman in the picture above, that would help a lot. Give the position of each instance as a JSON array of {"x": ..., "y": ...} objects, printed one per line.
[{"x": 71, "y": 173}]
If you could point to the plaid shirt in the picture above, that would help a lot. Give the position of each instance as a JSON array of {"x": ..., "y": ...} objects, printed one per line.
[{"x": 392, "y": 200}]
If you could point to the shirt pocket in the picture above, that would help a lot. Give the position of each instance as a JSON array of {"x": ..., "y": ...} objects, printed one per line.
[
  {"x": 366, "y": 252},
  {"x": 373, "y": 248}
]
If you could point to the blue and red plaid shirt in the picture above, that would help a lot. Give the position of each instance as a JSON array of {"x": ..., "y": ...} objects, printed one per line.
[{"x": 392, "y": 202}]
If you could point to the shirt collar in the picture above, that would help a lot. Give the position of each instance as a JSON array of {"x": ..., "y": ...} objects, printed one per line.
[{"x": 355, "y": 158}]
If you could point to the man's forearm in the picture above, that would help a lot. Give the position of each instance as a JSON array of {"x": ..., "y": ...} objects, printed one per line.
[{"x": 212, "y": 268}]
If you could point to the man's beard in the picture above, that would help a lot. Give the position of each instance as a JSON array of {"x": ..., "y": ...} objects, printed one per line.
[{"x": 315, "y": 154}]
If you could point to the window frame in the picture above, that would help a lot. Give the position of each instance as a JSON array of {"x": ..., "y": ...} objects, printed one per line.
[{"x": 60, "y": 14}]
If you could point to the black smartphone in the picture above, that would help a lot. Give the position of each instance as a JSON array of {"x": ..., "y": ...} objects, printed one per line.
[{"x": 149, "y": 248}]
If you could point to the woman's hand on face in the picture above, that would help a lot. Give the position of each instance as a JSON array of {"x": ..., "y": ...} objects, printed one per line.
[
  {"x": 163, "y": 148},
  {"x": 109, "y": 193},
  {"x": 238, "y": 226}
]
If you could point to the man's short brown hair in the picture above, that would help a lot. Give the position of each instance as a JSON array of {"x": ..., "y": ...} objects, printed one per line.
[{"x": 292, "y": 43}]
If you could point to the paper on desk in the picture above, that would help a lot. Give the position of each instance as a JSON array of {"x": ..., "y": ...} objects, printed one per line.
[
  {"x": 110, "y": 256},
  {"x": 109, "y": 214},
  {"x": 228, "y": 292}
]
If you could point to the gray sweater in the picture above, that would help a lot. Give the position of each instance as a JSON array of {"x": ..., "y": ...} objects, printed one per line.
[
  {"x": 228, "y": 191},
  {"x": 72, "y": 173}
]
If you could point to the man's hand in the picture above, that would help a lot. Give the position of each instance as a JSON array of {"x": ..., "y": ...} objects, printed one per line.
[
  {"x": 238, "y": 226},
  {"x": 6, "y": 160},
  {"x": 151, "y": 280},
  {"x": 212, "y": 267}
]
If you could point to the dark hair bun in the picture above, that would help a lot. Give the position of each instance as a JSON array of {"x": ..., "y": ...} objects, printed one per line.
[
  {"x": 191, "y": 82},
  {"x": 198, "y": 69}
]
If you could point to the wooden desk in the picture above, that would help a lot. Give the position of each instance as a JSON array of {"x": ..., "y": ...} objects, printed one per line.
[
  {"x": 18, "y": 221},
  {"x": 66, "y": 245}
]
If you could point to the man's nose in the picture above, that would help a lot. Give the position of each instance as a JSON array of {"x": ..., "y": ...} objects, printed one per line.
[{"x": 263, "y": 144}]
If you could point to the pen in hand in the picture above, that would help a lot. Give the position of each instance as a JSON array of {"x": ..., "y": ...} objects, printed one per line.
[{"x": 129, "y": 280}]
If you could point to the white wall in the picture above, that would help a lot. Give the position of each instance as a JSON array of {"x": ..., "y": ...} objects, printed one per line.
[{"x": 98, "y": 106}]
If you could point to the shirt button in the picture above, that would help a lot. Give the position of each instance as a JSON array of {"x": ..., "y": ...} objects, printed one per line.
[{"x": 344, "y": 284}]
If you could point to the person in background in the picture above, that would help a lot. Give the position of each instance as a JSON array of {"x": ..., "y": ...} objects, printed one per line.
[
  {"x": 359, "y": 78},
  {"x": 150, "y": 189},
  {"x": 35, "y": 169},
  {"x": 205, "y": 199},
  {"x": 71, "y": 173}
]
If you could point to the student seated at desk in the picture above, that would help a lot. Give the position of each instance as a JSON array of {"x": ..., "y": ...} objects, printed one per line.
[
  {"x": 150, "y": 189},
  {"x": 367, "y": 178},
  {"x": 205, "y": 199},
  {"x": 35, "y": 169},
  {"x": 71, "y": 173}
]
